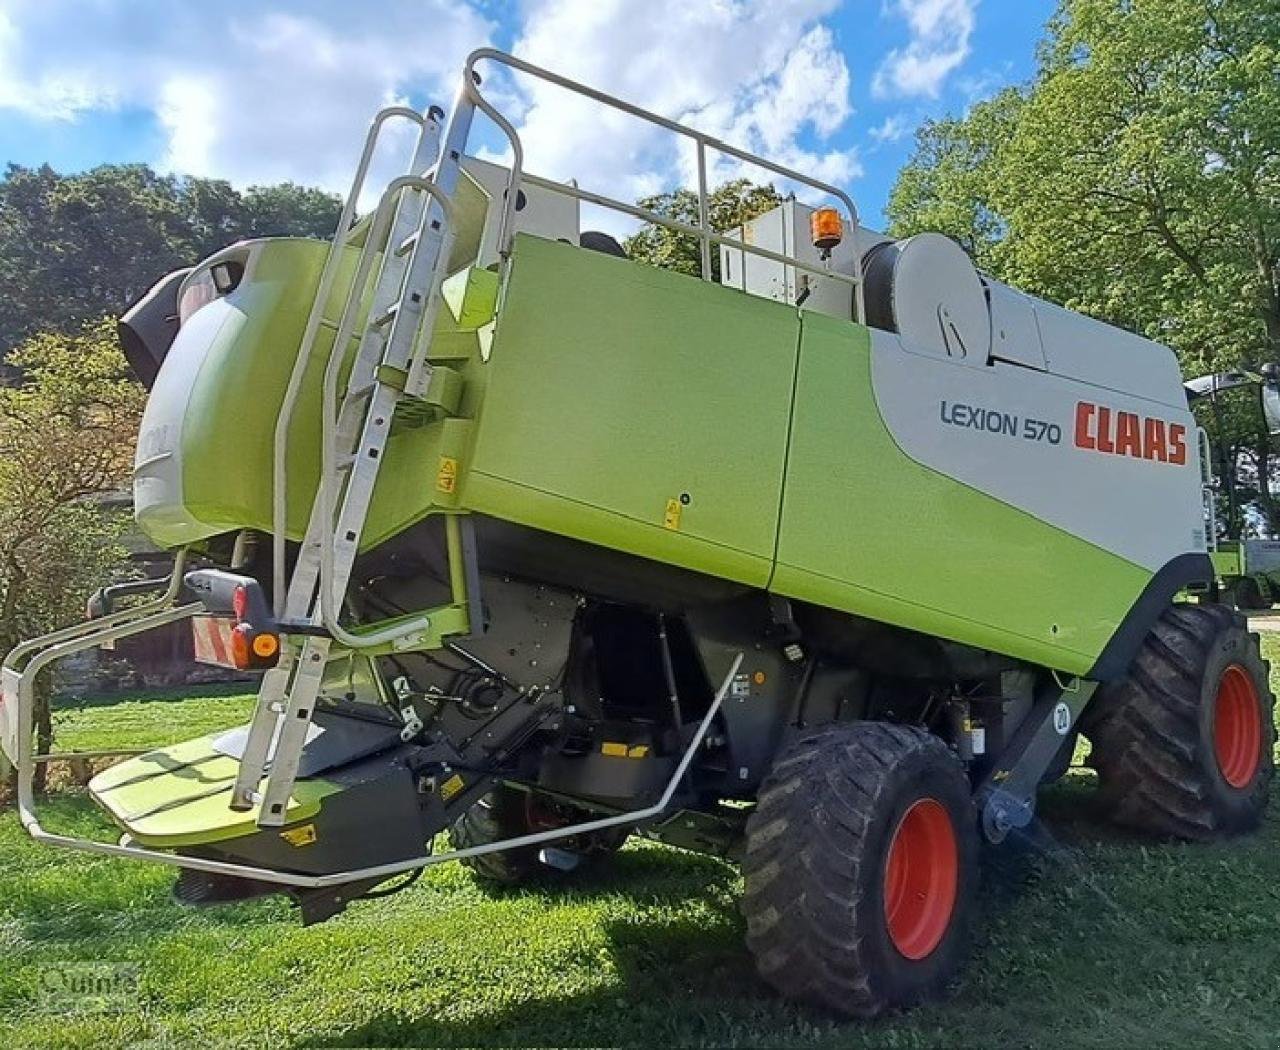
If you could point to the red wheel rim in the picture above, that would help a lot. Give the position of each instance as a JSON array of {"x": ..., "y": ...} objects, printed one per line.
[
  {"x": 1237, "y": 727},
  {"x": 921, "y": 877}
]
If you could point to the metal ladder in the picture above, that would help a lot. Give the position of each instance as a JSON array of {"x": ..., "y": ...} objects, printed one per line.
[{"x": 409, "y": 238}]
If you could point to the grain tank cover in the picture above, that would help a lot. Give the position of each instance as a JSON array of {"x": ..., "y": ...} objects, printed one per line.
[{"x": 928, "y": 291}]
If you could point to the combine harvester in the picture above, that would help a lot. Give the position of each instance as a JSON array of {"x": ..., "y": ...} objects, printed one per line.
[{"x": 821, "y": 567}]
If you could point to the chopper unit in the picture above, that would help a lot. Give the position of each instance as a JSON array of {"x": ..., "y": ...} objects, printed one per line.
[{"x": 821, "y": 566}]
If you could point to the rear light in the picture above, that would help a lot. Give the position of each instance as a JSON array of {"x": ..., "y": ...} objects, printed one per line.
[
  {"x": 237, "y": 629},
  {"x": 221, "y": 642}
]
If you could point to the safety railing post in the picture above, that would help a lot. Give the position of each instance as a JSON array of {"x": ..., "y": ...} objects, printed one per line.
[{"x": 704, "y": 212}]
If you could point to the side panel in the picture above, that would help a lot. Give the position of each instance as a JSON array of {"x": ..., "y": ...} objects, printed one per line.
[
  {"x": 867, "y": 529},
  {"x": 638, "y": 409},
  {"x": 1116, "y": 470},
  {"x": 205, "y": 448}
]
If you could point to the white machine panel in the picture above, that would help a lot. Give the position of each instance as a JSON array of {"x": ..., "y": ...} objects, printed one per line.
[
  {"x": 785, "y": 231},
  {"x": 1095, "y": 352},
  {"x": 539, "y": 211},
  {"x": 1015, "y": 336},
  {"x": 1112, "y": 469}
]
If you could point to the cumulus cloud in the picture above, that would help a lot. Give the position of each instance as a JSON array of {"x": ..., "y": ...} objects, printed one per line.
[
  {"x": 242, "y": 92},
  {"x": 284, "y": 90},
  {"x": 891, "y": 129},
  {"x": 939, "y": 43},
  {"x": 763, "y": 76}
]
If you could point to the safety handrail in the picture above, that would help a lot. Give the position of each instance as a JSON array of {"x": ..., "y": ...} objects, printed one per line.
[
  {"x": 284, "y": 419},
  {"x": 706, "y": 236},
  {"x": 1208, "y": 489},
  {"x": 325, "y": 493},
  {"x": 100, "y": 623}
]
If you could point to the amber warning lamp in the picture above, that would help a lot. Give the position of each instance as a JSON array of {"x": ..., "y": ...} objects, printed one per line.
[{"x": 826, "y": 229}]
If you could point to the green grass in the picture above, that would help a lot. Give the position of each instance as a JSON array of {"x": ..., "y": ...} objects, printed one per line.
[{"x": 1113, "y": 942}]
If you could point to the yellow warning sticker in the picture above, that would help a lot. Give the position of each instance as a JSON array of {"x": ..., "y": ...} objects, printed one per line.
[
  {"x": 615, "y": 749},
  {"x": 303, "y": 835},
  {"x": 451, "y": 787},
  {"x": 671, "y": 520},
  {"x": 447, "y": 475}
]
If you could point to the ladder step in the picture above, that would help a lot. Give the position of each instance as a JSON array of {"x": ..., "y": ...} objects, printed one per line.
[
  {"x": 387, "y": 316},
  {"x": 407, "y": 245}
]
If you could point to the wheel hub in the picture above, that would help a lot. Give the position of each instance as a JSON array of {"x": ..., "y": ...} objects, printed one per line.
[
  {"x": 921, "y": 879},
  {"x": 1237, "y": 729}
]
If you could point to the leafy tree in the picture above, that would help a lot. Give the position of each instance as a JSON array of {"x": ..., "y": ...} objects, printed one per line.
[
  {"x": 77, "y": 246},
  {"x": 728, "y": 206},
  {"x": 66, "y": 439},
  {"x": 1137, "y": 178}
]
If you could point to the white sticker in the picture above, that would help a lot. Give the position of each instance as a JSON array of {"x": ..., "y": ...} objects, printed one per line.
[{"x": 1062, "y": 718}]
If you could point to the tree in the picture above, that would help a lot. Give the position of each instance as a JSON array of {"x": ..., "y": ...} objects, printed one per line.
[
  {"x": 75, "y": 247},
  {"x": 728, "y": 206},
  {"x": 66, "y": 439},
  {"x": 1137, "y": 178}
]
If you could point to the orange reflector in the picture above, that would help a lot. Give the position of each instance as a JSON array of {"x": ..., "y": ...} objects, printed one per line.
[
  {"x": 826, "y": 229},
  {"x": 266, "y": 646}
]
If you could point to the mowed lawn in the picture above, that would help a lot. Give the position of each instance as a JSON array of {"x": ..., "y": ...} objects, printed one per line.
[{"x": 1085, "y": 938}]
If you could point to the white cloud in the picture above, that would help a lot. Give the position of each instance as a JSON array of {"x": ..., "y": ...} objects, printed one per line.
[
  {"x": 763, "y": 76},
  {"x": 940, "y": 32},
  {"x": 239, "y": 91},
  {"x": 891, "y": 129},
  {"x": 284, "y": 90}
]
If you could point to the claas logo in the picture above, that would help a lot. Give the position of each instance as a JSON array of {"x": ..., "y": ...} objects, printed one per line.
[{"x": 1100, "y": 429}]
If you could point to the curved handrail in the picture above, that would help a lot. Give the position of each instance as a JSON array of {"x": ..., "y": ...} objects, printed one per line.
[
  {"x": 280, "y": 447},
  {"x": 328, "y": 446},
  {"x": 101, "y": 623},
  {"x": 704, "y": 142}
]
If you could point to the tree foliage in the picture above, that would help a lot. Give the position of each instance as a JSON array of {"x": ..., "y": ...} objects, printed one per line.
[
  {"x": 66, "y": 440},
  {"x": 1137, "y": 178},
  {"x": 729, "y": 205},
  {"x": 75, "y": 247}
]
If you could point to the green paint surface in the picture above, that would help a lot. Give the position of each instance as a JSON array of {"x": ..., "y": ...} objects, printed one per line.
[
  {"x": 670, "y": 418},
  {"x": 615, "y": 389}
]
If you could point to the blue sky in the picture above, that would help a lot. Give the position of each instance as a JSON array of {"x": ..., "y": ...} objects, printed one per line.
[{"x": 281, "y": 89}]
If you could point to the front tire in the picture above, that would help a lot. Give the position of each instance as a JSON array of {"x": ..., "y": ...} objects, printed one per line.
[
  {"x": 1184, "y": 744},
  {"x": 861, "y": 869}
]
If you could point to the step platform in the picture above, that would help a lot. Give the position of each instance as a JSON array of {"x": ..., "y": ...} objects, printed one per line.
[{"x": 354, "y": 791}]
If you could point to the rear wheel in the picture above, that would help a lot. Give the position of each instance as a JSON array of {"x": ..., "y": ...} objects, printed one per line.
[
  {"x": 506, "y": 813},
  {"x": 1183, "y": 745},
  {"x": 861, "y": 868}
]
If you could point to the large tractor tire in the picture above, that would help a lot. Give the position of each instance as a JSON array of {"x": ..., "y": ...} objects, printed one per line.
[
  {"x": 1184, "y": 744},
  {"x": 506, "y": 813},
  {"x": 861, "y": 868}
]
